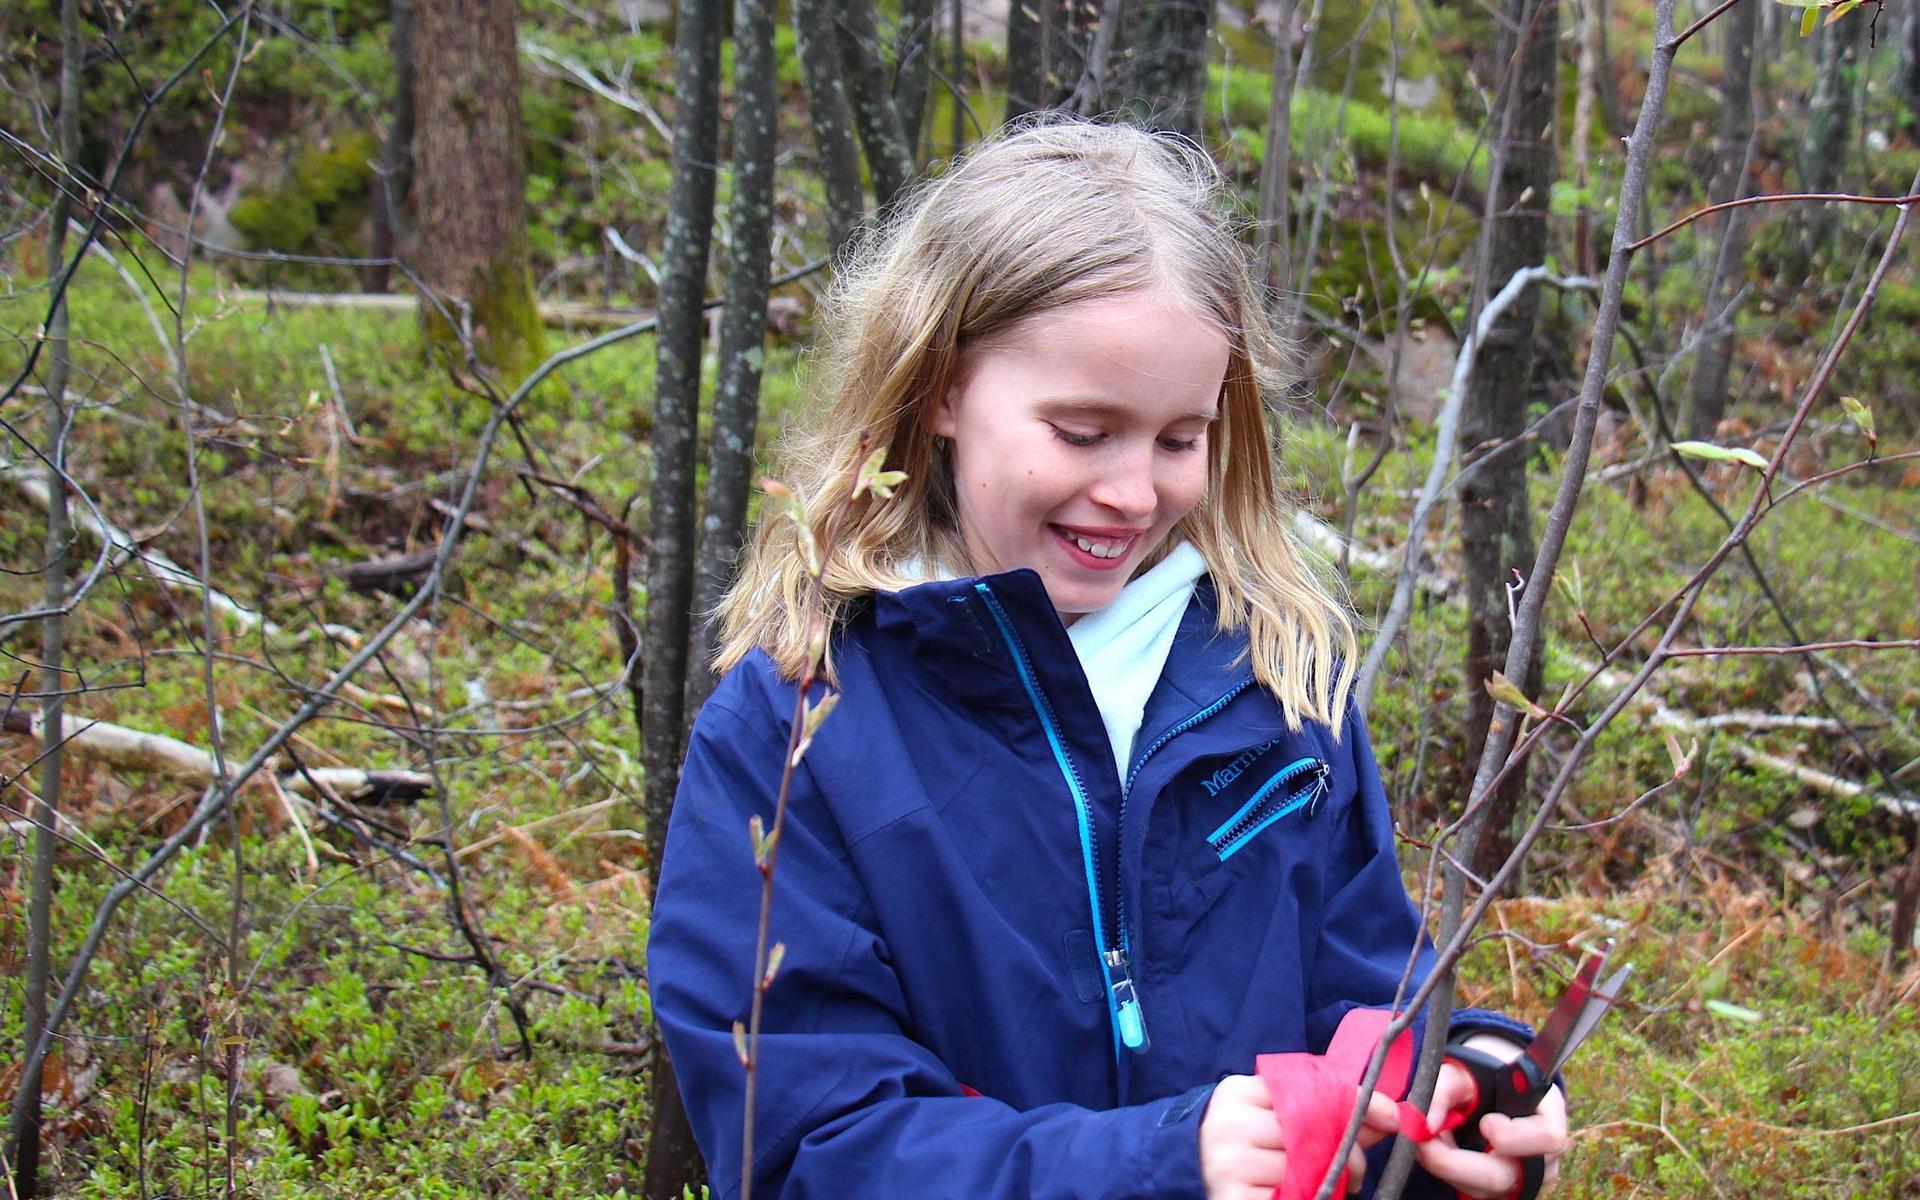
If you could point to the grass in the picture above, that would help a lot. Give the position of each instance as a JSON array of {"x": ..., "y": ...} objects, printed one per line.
[{"x": 377, "y": 1070}]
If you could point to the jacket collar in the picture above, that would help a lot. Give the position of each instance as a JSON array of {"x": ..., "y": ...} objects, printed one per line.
[{"x": 948, "y": 627}]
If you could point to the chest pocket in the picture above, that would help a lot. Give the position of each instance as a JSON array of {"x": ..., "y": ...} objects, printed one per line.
[
  {"x": 1301, "y": 784},
  {"x": 1241, "y": 813}
]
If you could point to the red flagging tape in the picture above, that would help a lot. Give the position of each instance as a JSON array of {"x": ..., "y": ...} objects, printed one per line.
[{"x": 1313, "y": 1096}]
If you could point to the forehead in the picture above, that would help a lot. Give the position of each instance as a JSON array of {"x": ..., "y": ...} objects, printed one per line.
[{"x": 1114, "y": 352}]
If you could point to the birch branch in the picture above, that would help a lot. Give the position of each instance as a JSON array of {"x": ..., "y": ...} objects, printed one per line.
[{"x": 1443, "y": 450}]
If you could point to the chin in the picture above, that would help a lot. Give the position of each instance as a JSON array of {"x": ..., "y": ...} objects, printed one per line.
[{"x": 1071, "y": 602}]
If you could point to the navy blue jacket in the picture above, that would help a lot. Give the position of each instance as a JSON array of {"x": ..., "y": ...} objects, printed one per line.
[{"x": 972, "y": 900}]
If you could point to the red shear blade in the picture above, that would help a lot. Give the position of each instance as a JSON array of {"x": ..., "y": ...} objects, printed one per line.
[
  {"x": 1548, "y": 1048},
  {"x": 1597, "y": 1006}
]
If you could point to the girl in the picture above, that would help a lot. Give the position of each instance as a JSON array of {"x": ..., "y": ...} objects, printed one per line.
[{"x": 1093, "y": 824}]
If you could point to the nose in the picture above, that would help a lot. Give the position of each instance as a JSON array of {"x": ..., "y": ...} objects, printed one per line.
[{"x": 1126, "y": 484}]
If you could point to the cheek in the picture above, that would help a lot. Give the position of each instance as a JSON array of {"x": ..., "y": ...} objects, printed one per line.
[{"x": 1186, "y": 483}]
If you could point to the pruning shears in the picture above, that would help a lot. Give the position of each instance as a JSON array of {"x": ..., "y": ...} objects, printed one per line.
[{"x": 1516, "y": 1088}]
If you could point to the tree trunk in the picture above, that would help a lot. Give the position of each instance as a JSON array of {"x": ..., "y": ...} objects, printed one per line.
[
  {"x": 1167, "y": 52},
  {"x": 1906, "y": 79},
  {"x": 394, "y": 179},
  {"x": 1732, "y": 156},
  {"x": 1824, "y": 151},
  {"x": 743, "y": 330},
  {"x": 956, "y": 68},
  {"x": 672, "y": 1160},
  {"x": 1906, "y": 902},
  {"x": 1496, "y": 532},
  {"x": 1585, "y": 95},
  {"x": 913, "y": 68},
  {"x": 830, "y": 117},
  {"x": 674, "y": 1165},
  {"x": 1066, "y": 48},
  {"x": 1025, "y": 56},
  {"x": 23, "y": 1125},
  {"x": 470, "y": 185},
  {"x": 889, "y": 157},
  {"x": 1276, "y": 187}
]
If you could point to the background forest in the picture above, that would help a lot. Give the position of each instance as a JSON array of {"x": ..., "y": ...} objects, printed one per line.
[{"x": 383, "y": 392}]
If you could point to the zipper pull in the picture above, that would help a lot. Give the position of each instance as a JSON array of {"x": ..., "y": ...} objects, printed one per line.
[
  {"x": 1126, "y": 1003},
  {"x": 1320, "y": 791}
]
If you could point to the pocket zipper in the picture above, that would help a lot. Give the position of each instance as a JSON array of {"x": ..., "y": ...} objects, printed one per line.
[{"x": 1303, "y": 782}]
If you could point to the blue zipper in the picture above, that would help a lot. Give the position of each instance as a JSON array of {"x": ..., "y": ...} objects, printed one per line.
[
  {"x": 1239, "y": 829},
  {"x": 1123, "y": 1001}
]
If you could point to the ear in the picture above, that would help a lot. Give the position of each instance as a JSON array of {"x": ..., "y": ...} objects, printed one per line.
[{"x": 945, "y": 419}]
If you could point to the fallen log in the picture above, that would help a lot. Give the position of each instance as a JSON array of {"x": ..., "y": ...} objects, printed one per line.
[{"x": 138, "y": 750}]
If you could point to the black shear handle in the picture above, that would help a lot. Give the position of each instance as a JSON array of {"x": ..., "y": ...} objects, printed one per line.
[{"x": 1514, "y": 1087}]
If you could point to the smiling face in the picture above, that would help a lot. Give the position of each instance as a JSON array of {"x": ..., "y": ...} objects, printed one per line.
[{"x": 1080, "y": 440}]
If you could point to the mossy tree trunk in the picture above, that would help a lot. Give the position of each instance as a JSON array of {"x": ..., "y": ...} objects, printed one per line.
[
  {"x": 673, "y": 1160},
  {"x": 1496, "y": 533},
  {"x": 1066, "y": 49},
  {"x": 875, "y": 116},
  {"x": 1165, "y": 76},
  {"x": 23, "y": 1122},
  {"x": 743, "y": 327},
  {"x": 913, "y": 67},
  {"x": 830, "y": 116},
  {"x": 395, "y": 177},
  {"x": 470, "y": 186},
  {"x": 1732, "y": 154},
  {"x": 1838, "y": 50},
  {"x": 1276, "y": 186},
  {"x": 1024, "y": 47},
  {"x": 1906, "y": 79}
]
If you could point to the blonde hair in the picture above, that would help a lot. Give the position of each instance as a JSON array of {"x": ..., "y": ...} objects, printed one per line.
[{"x": 1038, "y": 217}]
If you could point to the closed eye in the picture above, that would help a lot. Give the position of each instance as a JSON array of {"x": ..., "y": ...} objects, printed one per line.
[
  {"x": 1173, "y": 443},
  {"x": 1075, "y": 439}
]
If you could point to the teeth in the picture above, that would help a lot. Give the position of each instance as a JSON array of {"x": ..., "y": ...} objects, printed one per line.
[{"x": 1101, "y": 549}]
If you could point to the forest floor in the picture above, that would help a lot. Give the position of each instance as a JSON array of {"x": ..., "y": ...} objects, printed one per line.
[{"x": 1762, "y": 1049}]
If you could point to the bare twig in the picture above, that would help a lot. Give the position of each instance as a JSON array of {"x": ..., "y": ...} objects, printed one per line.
[
  {"x": 1782, "y": 198},
  {"x": 1445, "y": 437}
]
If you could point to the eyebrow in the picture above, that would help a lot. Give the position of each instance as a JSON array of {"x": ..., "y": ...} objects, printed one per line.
[{"x": 1093, "y": 406}]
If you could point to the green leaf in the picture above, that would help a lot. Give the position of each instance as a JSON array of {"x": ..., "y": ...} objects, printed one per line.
[
  {"x": 1507, "y": 692},
  {"x": 1733, "y": 1012},
  {"x": 740, "y": 1042},
  {"x": 818, "y": 714},
  {"x": 1713, "y": 453},
  {"x": 1862, "y": 416},
  {"x": 757, "y": 833},
  {"x": 1808, "y": 20},
  {"x": 775, "y": 957},
  {"x": 873, "y": 479}
]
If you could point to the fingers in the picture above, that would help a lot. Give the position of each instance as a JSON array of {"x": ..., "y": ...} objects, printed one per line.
[
  {"x": 1544, "y": 1133},
  {"x": 1356, "y": 1168},
  {"x": 1523, "y": 1136},
  {"x": 1382, "y": 1120},
  {"x": 1484, "y": 1176},
  {"x": 1453, "y": 1089}
]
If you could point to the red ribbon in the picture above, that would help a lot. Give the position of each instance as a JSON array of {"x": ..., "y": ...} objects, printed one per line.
[{"x": 1313, "y": 1097}]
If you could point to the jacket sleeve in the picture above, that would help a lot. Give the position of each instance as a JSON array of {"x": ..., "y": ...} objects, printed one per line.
[
  {"x": 848, "y": 1103},
  {"x": 1369, "y": 924}
]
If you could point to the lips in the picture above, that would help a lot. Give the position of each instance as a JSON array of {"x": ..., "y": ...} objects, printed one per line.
[{"x": 1100, "y": 549}]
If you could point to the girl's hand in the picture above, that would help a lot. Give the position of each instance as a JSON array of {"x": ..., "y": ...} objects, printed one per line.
[
  {"x": 1242, "y": 1155},
  {"x": 1496, "y": 1171}
]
